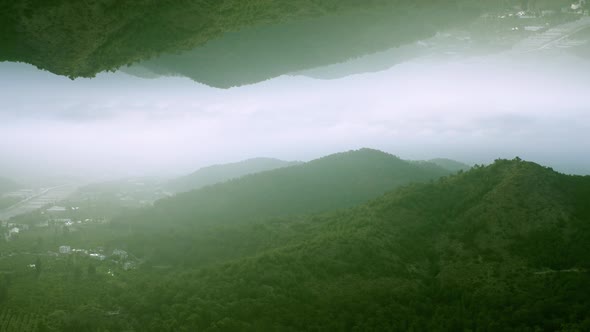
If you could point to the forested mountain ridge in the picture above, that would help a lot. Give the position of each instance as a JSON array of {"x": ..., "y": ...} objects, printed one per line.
[
  {"x": 220, "y": 173},
  {"x": 336, "y": 181},
  {"x": 451, "y": 165},
  {"x": 497, "y": 248},
  {"x": 215, "y": 42},
  {"x": 81, "y": 39},
  {"x": 259, "y": 53},
  {"x": 503, "y": 247}
]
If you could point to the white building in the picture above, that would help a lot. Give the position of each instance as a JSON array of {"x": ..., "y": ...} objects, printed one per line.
[
  {"x": 13, "y": 231},
  {"x": 63, "y": 221},
  {"x": 122, "y": 254},
  {"x": 100, "y": 257},
  {"x": 129, "y": 266},
  {"x": 65, "y": 249},
  {"x": 56, "y": 208},
  {"x": 578, "y": 5}
]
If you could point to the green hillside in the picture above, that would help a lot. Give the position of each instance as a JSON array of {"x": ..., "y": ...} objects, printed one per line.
[
  {"x": 260, "y": 53},
  {"x": 83, "y": 38},
  {"x": 221, "y": 43},
  {"x": 220, "y": 173},
  {"x": 498, "y": 248},
  {"x": 451, "y": 165},
  {"x": 336, "y": 181}
]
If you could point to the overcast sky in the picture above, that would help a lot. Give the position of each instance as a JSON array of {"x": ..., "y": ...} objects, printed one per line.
[{"x": 473, "y": 110}]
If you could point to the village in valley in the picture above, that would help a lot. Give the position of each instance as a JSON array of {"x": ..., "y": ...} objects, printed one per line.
[
  {"x": 67, "y": 228},
  {"x": 63, "y": 227},
  {"x": 529, "y": 27},
  {"x": 58, "y": 237}
]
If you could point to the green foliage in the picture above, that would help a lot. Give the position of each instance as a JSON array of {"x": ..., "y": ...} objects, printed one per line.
[
  {"x": 15, "y": 322},
  {"x": 497, "y": 248},
  {"x": 262, "y": 52},
  {"x": 336, "y": 181},
  {"x": 221, "y": 43},
  {"x": 221, "y": 173},
  {"x": 82, "y": 38},
  {"x": 451, "y": 165}
]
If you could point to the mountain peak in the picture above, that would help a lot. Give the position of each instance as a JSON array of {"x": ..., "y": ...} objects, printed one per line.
[{"x": 360, "y": 154}]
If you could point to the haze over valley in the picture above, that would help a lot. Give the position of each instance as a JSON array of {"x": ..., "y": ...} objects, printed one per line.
[{"x": 248, "y": 165}]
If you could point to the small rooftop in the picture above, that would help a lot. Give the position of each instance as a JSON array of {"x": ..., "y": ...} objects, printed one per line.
[{"x": 56, "y": 208}]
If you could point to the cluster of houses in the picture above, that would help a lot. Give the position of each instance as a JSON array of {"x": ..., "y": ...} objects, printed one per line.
[
  {"x": 68, "y": 222},
  {"x": 529, "y": 12},
  {"x": 56, "y": 216},
  {"x": 118, "y": 255},
  {"x": 13, "y": 230},
  {"x": 580, "y": 7}
]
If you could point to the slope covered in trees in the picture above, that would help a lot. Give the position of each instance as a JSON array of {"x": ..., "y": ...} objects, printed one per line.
[
  {"x": 498, "y": 248},
  {"x": 451, "y": 165},
  {"x": 503, "y": 247},
  {"x": 332, "y": 182},
  {"x": 80, "y": 39},
  {"x": 220, "y": 43},
  {"x": 193, "y": 222},
  {"x": 220, "y": 173},
  {"x": 259, "y": 53}
]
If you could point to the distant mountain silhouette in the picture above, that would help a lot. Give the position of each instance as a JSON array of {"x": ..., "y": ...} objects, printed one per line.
[
  {"x": 451, "y": 165},
  {"x": 262, "y": 52},
  {"x": 221, "y": 173},
  {"x": 81, "y": 39},
  {"x": 336, "y": 181},
  {"x": 221, "y": 44},
  {"x": 497, "y": 248}
]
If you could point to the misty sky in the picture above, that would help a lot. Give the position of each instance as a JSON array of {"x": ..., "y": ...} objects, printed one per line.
[{"x": 473, "y": 110}]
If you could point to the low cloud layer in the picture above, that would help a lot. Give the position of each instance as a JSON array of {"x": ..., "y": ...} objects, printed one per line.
[{"x": 474, "y": 111}]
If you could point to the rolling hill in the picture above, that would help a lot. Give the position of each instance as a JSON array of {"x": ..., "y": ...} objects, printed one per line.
[
  {"x": 451, "y": 165},
  {"x": 220, "y": 173},
  {"x": 497, "y": 248},
  {"x": 502, "y": 247},
  {"x": 259, "y": 53},
  {"x": 220, "y": 43},
  {"x": 82, "y": 39},
  {"x": 336, "y": 181}
]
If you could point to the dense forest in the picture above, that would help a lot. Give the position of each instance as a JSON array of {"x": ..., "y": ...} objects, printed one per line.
[
  {"x": 202, "y": 38},
  {"x": 360, "y": 240},
  {"x": 259, "y": 53},
  {"x": 497, "y": 248},
  {"x": 220, "y": 173},
  {"x": 80, "y": 39},
  {"x": 335, "y": 181},
  {"x": 449, "y": 164}
]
